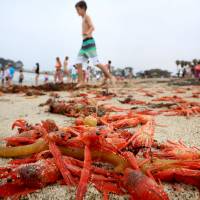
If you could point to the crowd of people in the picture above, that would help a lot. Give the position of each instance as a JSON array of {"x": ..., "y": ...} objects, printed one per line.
[
  {"x": 62, "y": 73},
  {"x": 68, "y": 73},
  {"x": 188, "y": 68}
]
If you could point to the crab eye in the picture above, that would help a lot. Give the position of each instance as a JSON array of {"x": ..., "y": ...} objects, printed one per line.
[
  {"x": 62, "y": 135},
  {"x": 97, "y": 132},
  {"x": 9, "y": 180},
  {"x": 100, "y": 113}
]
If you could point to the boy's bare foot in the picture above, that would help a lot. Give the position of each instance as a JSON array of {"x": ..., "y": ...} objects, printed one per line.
[
  {"x": 106, "y": 87},
  {"x": 80, "y": 85},
  {"x": 104, "y": 83}
]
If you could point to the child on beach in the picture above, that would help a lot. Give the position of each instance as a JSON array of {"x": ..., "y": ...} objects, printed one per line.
[
  {"x": 73, "y": 74},
  {"x": 88, "y": 49},
  {"x": 66, "y": 71},
  {"x": 21, "y": 76},
  {"x": 7, "y": 77},
  {"x": 46, "y": 77}
]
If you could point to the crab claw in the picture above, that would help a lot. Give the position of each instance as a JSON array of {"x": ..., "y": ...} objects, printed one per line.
[
  {"x": 21, "y": 123},
  {"x": 142, "y": 187},
  {"x": 49, "y": 125}
]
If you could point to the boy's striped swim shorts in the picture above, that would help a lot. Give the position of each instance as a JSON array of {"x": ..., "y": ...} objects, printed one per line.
[{"x": 88, "y": 52}]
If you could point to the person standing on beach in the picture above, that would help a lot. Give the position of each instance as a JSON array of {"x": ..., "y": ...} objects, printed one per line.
[
  {"x": 8, "y": 77},
  {"x": 109, "y": 66},
  {"x": 37, "y": 73},
  {"x": 21, "y": 77},
  {"x": 88, "y": 49},
  {"x": 197, "y": 70},
  {"x": 66, "y": 71},
  {"x": 73, "y": 74},
  {"x": 2, "y": 74},
  {"x": 46, "y": 77},
  {"x": 58, "y": 73},
  {"x": 12, "y": 72}
]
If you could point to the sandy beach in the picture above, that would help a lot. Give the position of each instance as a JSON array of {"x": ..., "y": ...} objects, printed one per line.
[{"x": 19, "y": 106}]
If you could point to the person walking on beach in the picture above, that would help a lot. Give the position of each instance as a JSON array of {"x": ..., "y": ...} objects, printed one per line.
[
  {"x": 58, "y": 73},
  {"x": 88, "y": 49},
  {"x": 37, "y": 73},
  {"x": 66, "y": 71},
  {"x": 21, "y": 77}
]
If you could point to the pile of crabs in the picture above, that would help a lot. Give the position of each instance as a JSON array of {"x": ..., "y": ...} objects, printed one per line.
[
  {"x": 38, "y": 90},
  {"x": 45, "y": 153},
  {"x": 83, "y": 105}
]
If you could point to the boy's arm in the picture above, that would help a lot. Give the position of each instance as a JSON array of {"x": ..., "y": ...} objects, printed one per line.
[{"x": 90, "y": 25}]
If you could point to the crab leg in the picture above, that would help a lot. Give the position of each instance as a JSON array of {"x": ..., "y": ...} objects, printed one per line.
[
  {"x": 60, "y": 164},
  {"x": 85, "y": 174}
]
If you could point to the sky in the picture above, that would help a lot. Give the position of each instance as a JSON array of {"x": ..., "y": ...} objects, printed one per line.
[{"x": 142, "y": 34}]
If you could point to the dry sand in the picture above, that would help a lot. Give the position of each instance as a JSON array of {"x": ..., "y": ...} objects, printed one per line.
[{"x": 15, "y": 106}]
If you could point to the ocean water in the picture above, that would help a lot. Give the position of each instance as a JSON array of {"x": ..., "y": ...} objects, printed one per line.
[{"x": 29, "y": 78}]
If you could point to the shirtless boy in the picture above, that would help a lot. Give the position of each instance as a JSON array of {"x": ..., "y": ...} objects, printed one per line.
[{"x": 88, "y": 49}]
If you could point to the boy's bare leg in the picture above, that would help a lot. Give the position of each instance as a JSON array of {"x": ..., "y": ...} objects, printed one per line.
[
  {"x": 106, "y": 74},
  {"x": 81, "y": 81}
]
